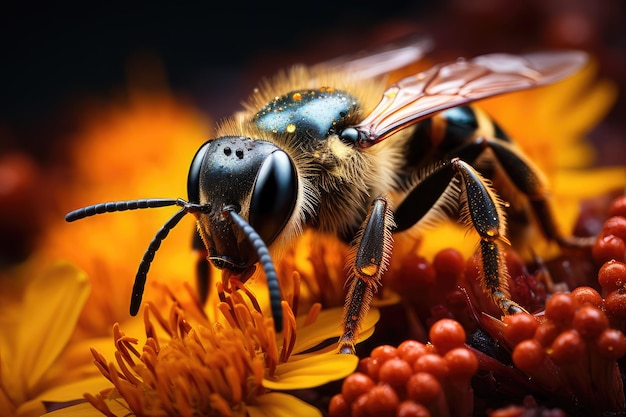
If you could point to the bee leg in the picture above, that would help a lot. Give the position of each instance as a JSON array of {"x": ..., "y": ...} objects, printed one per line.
[
  {"x": 369, "y": 259},
  {"x": 484, "y": 212},
  {"x": 487, "y": 218},
  {"x": 528, "y": 179},
  {"x": 203, "y": 269}
]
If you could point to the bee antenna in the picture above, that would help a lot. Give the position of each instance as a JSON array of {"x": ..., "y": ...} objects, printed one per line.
[
  {"x": 268, "y": 268},
  {"x": 148, "y": 257},
  {"x": 113, "y": 206}
]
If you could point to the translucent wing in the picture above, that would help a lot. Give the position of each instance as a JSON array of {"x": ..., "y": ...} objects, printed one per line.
[
  {"x": 456, "y": 83},
  {"x": 384, "y": 59}
]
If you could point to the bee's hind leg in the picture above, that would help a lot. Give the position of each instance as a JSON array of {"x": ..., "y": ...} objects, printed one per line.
[
  {"x": 487, "y": 218},
  {"x": 528, "y": 179},
  {"x": 483, "y": 211}
]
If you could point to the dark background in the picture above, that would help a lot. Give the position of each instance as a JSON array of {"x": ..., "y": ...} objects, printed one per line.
[{"x": 52, "y": 57}]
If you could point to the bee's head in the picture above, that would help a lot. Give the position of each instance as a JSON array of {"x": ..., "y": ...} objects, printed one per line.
[
  {"x": 252, "y": 178},
  {"x": 243, "y": 193}
]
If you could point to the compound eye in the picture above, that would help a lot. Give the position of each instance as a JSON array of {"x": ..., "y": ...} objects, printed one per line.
[
  {"x": 193, "y": 178},
  {"x": 274, "y": 196}
]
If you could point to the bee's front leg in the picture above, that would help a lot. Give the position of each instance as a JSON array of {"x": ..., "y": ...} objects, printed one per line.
[{"x": 369, "y": 259}]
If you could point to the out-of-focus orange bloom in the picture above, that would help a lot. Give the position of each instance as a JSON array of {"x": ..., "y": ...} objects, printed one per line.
[{"x": 140, "y": 147}]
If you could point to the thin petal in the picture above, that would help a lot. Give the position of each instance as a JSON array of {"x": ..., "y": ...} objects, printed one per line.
[
  {"x": 312, "y": 371},
  {"x": 87, "y": 410},
  {"x": 276, "y": 404},
  {"x": 75, "y": 390},
  {"x": 328, "y": 326}
]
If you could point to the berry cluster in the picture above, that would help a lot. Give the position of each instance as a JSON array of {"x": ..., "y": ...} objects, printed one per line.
[
  {"x": 566, "y": 358},
  {"x": 610, "y": 242},
  {"x": 609, "y": 252},
  {"x": 570, "y": 351},
  {"x": 414, "y": 379}
]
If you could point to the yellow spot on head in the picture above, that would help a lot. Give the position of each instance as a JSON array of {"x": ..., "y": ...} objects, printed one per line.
[
  {"x": 291, "y": 128},
  {"x": 296, "y": 96}
]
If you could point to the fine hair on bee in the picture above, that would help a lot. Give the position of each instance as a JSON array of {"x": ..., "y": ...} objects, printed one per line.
[{"x": 337, "y": 148}]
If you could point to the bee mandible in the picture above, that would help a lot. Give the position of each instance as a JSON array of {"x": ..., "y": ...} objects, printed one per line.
[{"x": 334, "y": 148}]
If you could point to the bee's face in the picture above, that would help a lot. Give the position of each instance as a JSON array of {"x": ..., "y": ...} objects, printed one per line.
[{"x": 251, "y": 177}]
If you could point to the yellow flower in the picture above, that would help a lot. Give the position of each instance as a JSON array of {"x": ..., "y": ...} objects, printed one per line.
[
  {"x": 231, "y": 367},
  {"x": 38, "y": 361}
]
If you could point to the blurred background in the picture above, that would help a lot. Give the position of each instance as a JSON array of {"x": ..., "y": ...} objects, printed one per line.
[{"x": 57, "y": 59}]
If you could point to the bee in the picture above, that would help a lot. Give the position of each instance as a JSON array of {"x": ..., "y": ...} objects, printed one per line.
[{"x": 335, "y": 148}]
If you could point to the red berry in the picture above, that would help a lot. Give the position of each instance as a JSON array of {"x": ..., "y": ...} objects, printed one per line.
[
  {"x": 338, "y": 407},
  {"x": 423, "y": 388},
  {"x": 412, "y": 409},
  {"x": 449, "y": 264},
  {"x": 355, "y": 385},
  {"x": 382, "y": 401},
  {"x": 608, "y": 247},
  {"x": 447, "y": 334},
  {"x": 590, "y": 321},
  {"x": 611, "y": 344},
  {"x": 587, "y": 295},
  {"x": 519, "y": 327},
  {"x": 616, "y": 226},
  {"x": 418, "y": 274},
  {"x": 560, "y": 308},
  {"x": 612, "y": 275},
  {"x": 395, "y": 372},
  {"x": 383, "y": 353},
  {"x": 568, "y": 347},
  {"x": 615, "y": 304},
  {"x": 618, "y": 206},
  {"x": 433, "y": 364},
  {"x": 462, "y": 363},
  {"x": 359, "y": 408},
  {"x": 410, "y": 350},
  {"x": 546, "y": 333},
  {"x": 528, "y": 355},
  {"x": 370, "y": 367}
]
